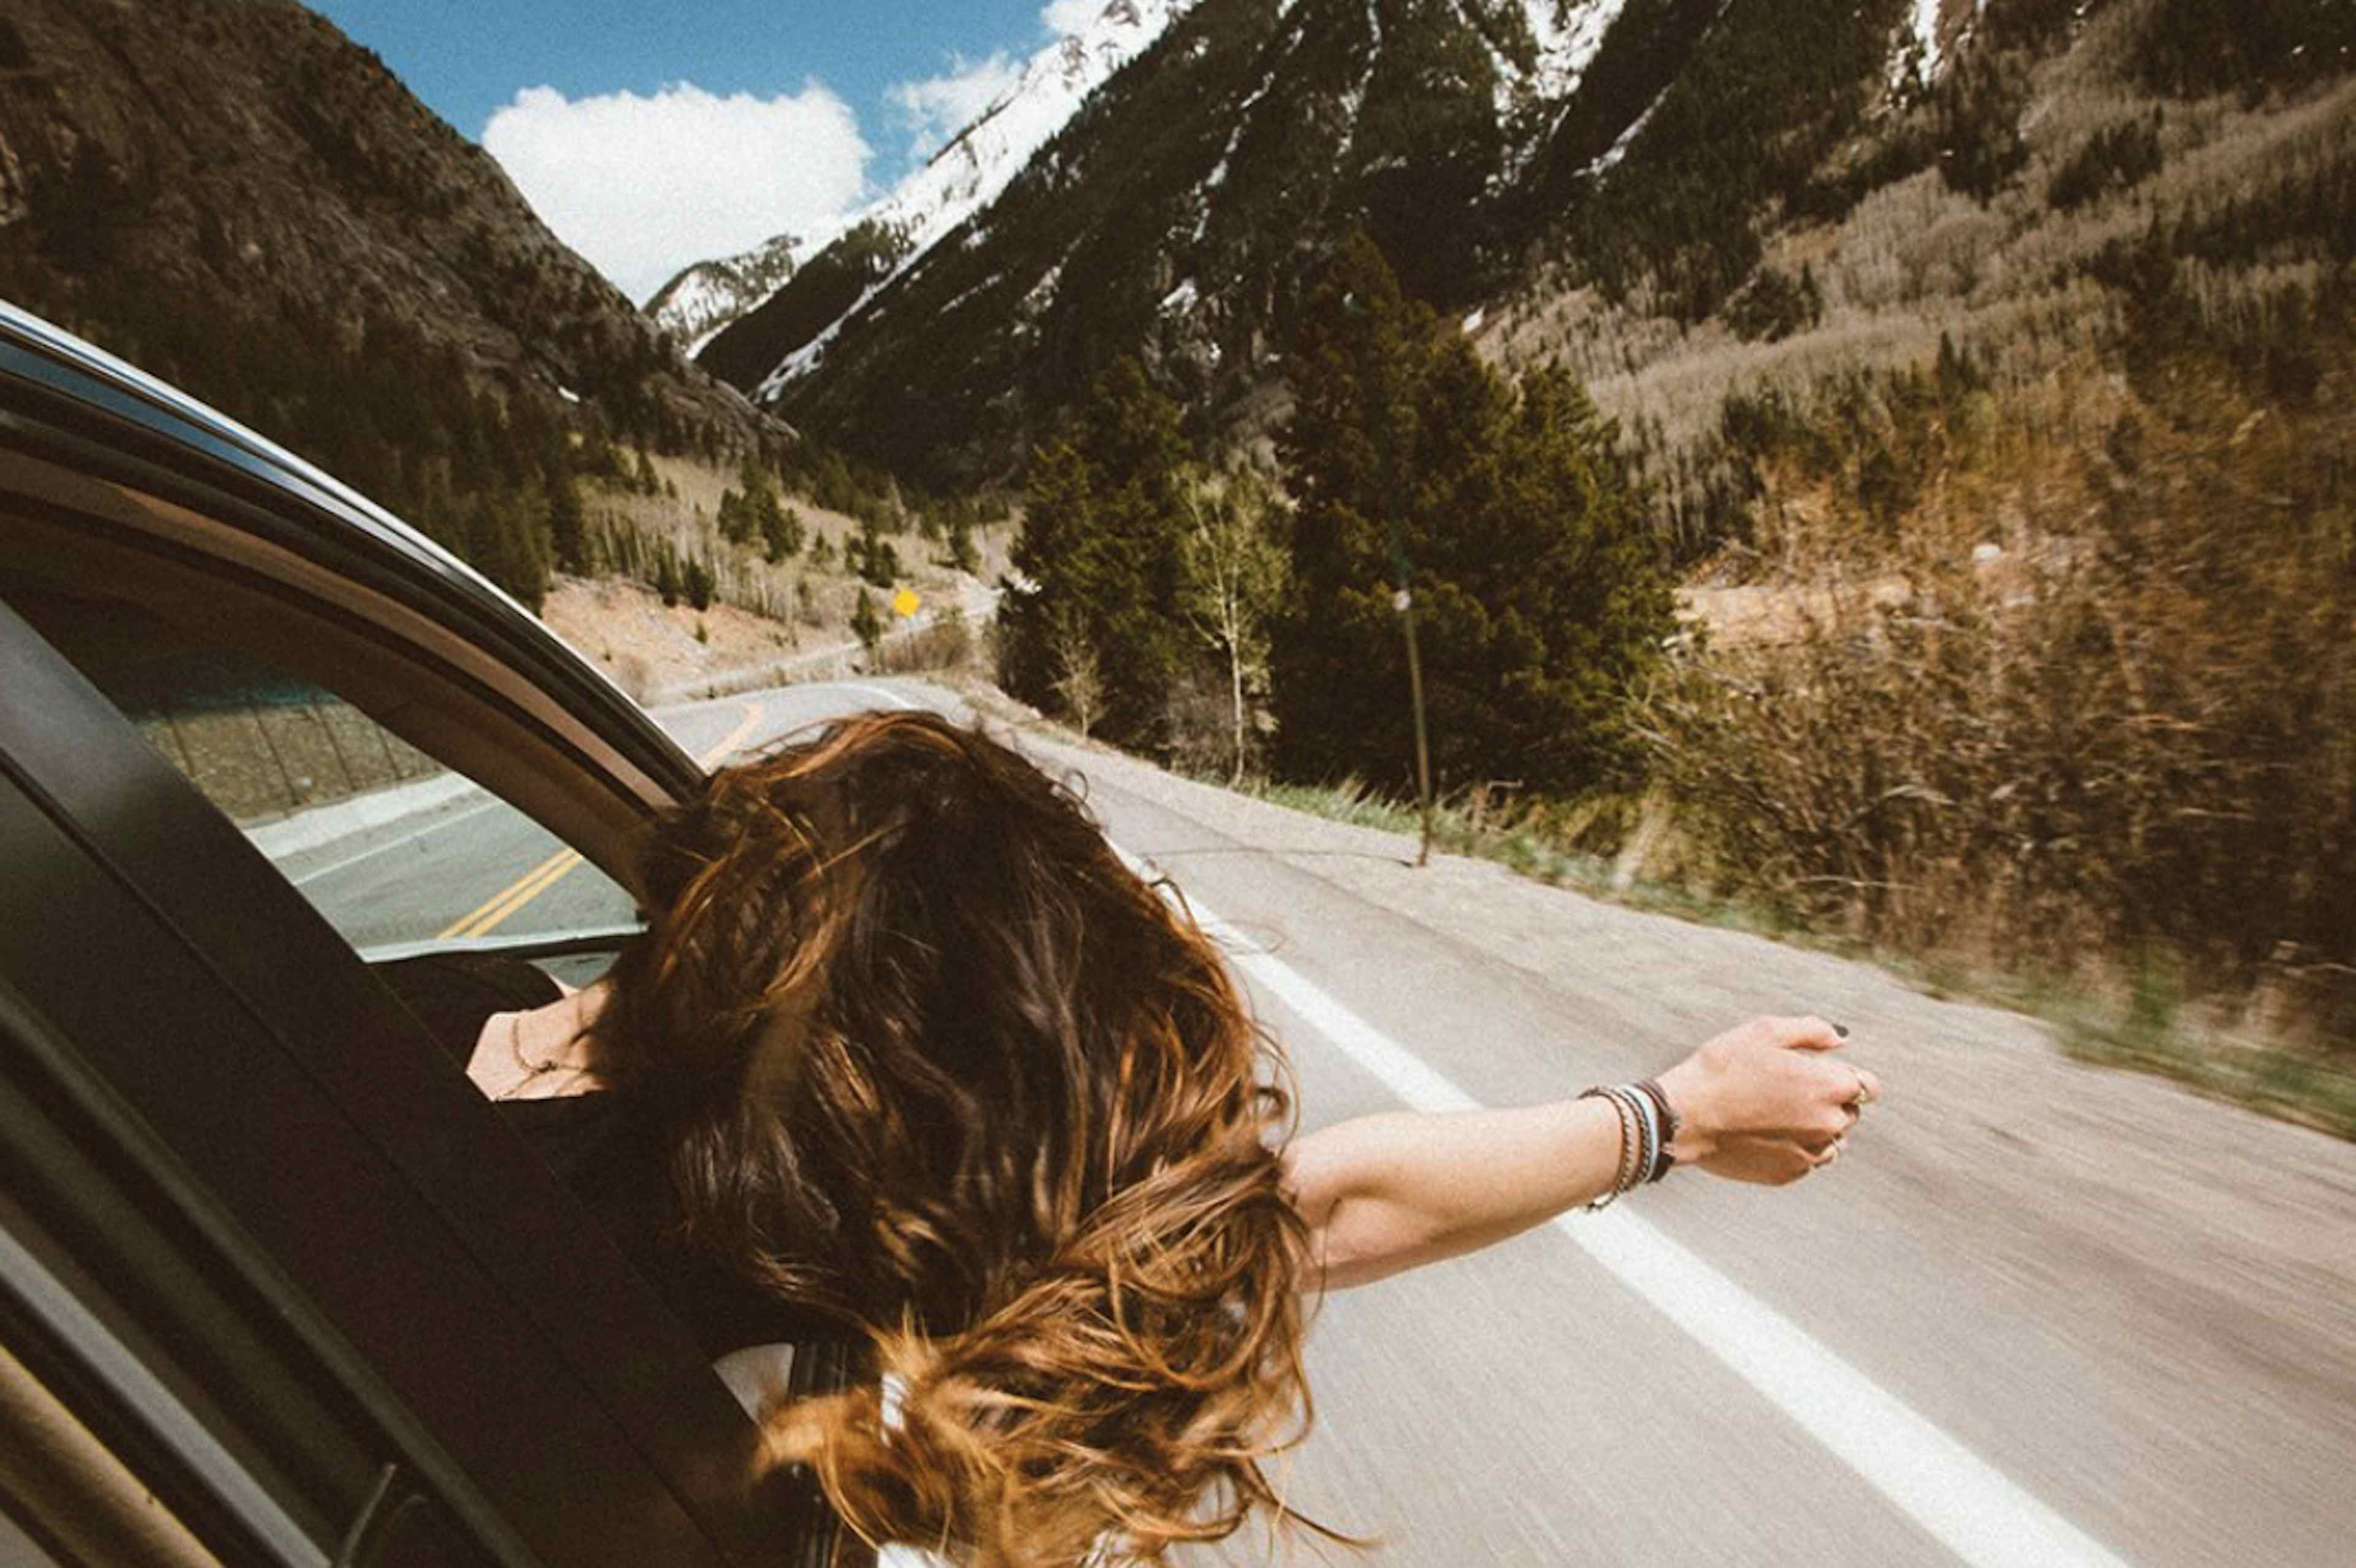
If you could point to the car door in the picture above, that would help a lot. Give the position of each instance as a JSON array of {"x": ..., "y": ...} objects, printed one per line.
[{"x": 260, "y": 1243}]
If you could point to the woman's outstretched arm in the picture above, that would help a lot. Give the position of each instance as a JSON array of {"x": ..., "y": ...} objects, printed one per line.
[{"x": 1763, "y": 1102}]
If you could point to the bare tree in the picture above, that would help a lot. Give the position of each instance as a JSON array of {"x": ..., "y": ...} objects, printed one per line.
[
  {"x": 1235, "y": 575},
  {"x": 1079, "y": 673}
]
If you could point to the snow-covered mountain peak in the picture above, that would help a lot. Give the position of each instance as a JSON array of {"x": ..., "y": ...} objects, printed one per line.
[
  {"x": 707, "y": 296},
  {"x": 967, "y": 174}
]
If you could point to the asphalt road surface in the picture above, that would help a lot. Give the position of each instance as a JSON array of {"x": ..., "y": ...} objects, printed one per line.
[{"x": 2040, "y": 1317}]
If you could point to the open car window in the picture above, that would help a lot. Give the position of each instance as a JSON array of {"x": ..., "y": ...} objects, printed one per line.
[{"x": 397, "y": 851}]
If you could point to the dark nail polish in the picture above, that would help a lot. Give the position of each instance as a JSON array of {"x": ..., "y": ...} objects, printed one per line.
[{"x": 1841, "y": 1029}]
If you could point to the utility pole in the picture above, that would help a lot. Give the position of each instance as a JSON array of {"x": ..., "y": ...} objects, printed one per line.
[
  {"x": 1403, "y": 601},
  {"x": 1398, "y": 414}
]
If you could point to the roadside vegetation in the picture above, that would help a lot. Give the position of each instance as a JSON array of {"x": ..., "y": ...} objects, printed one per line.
[
  {"x": 1907, "y": 509},
  {"x": 2005, "y": 474}
]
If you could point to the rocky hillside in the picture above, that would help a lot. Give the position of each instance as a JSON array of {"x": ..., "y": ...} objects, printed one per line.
[{"x": 232, "y": 193}]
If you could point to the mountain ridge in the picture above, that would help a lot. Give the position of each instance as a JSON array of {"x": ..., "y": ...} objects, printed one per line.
[{"x": 702, "y": 297}]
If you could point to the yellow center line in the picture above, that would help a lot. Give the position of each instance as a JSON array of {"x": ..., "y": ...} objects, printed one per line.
[
  {"x": 495, "y": 910},
  {"x": 526, "y": 893},
  {"x": 719, "y": 754},
  {"x": 495, "y": 905}
]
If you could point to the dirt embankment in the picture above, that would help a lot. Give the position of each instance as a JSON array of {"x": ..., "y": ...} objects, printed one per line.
[{"x": 650, "y": 648}]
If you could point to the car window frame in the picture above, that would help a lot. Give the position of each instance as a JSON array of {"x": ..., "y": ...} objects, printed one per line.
[
  {"x": 113, "y": 467},
  {"x": 115, "y": 470}
]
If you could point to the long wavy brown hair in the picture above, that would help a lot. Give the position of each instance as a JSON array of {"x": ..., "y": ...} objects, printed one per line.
[{"x": 934, "y": 1063}]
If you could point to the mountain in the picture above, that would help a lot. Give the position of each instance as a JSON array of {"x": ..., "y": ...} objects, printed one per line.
[
  {"x": 706, "y": 296},
  {"x": 232, "y": 193},
  {"x": 1180, "y": 209},
  {"x": 1653, "y": 167},
  {"x": 955, "y": 183}
]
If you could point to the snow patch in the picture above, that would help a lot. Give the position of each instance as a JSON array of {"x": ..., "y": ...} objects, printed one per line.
[
  {"x": 1566, "y": 44},
  {"x": 1918, "y": 58},
  {"x": 1618, "y": 149},
  {"x": 1042, "y": 293},
  {"x": 1180, "y": 300}
]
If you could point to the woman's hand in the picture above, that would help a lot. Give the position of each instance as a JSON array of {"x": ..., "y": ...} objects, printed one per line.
[{"x": 1765, "y": 1102}]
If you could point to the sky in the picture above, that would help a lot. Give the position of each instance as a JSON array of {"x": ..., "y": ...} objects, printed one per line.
[{"x": 651, "y": 135}]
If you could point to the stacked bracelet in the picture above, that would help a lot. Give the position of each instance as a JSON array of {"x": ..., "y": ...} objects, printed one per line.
[{"x": 1646, "y": 1125}]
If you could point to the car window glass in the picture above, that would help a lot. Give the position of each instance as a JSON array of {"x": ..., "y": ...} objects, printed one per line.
[{"x": 392, "y": 847}]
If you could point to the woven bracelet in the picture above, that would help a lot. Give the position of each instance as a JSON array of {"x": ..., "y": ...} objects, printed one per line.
[{"x": 1631, "y": 1167}]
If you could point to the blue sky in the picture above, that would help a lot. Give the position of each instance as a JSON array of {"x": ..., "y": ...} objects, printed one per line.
[{"x": 649, "y": 135}]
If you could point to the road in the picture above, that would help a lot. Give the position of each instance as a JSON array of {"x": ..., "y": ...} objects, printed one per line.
[{"x": 2041, "y": 1316}]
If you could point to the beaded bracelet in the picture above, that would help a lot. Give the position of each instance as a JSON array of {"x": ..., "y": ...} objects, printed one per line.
[{"x": 1620, "y": 1181}]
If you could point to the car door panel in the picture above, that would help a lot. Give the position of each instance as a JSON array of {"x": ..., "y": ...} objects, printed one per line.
[{"x": 363, "y": 1164}]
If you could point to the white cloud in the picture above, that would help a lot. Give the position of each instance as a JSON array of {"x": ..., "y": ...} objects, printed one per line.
[
  {"x": 938, "y": 108},
  {"x": 1065, "y": 17},
  {"x": 642, "y": 187}
]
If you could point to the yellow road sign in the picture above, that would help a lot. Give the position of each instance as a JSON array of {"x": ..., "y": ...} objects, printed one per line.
[{"x": 904, "y": 602}]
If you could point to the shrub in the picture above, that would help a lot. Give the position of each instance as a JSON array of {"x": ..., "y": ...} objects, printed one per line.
[{"x": 2139, "y": 735}]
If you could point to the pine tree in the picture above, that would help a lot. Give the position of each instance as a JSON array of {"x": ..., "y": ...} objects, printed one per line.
[
  {"x": 866, "y": 624},
  {"x": 1100, "y": 554},
  {"x": 1339, "y": 677},
  {"x": 697, "y": 582},
  {"x": 877, "y": 561},
  {"x": 736, "y": 518},
  {"x": 781, "y": 531},
  {"x": 1510, "y": 515},
  {"x": 568, "y": 523},
  {"x": 1051, "y": 571},
  {"x": 963, "y": 556}
]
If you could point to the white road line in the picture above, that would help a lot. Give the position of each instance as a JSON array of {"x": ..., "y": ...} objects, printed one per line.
[
  {"x": 411, "y": 836},
  {"x": 1958, "y": 1497},
  {"x": 414, "y": 834}
]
